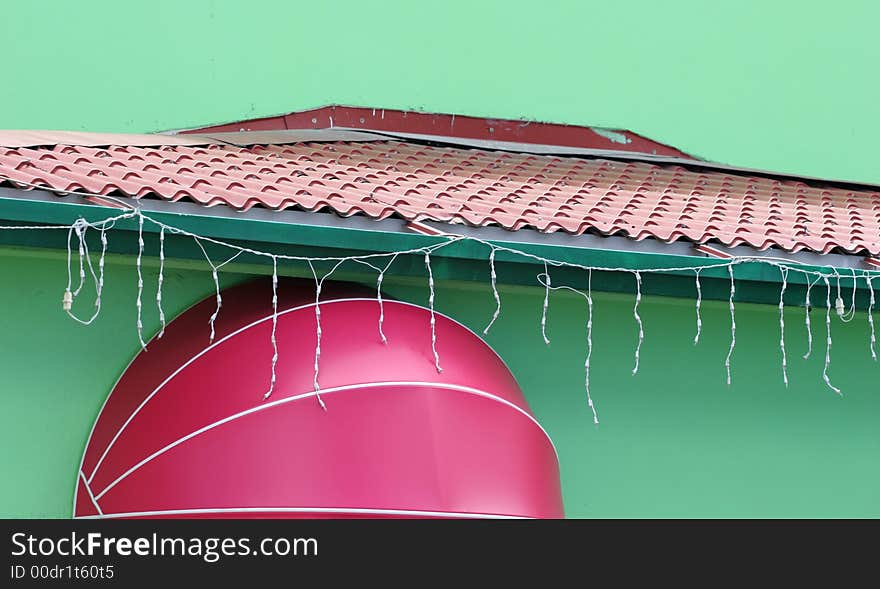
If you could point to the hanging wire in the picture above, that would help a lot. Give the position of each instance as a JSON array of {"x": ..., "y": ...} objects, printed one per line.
[
  {"x": 431, "y": 306},
  {"x": 807, "y": 308},
  {"x": 699, "y": 302},
  {"x": 80, "y": 230},
  {"x": 494, "y": 279},
  {"x": 381, "y": 271},
  {"x": 544, "y": 280},
  {"x": 160, "y": 281},
  {"x": 638, "y": 320},
  {"x": 274, "y": 325},
  {"x": 843, "y": 314},
  {"x": 871, "y": 318},
  {"x": 214, "y": 276},
  {"x": 318, "y": 334},
  {"x": 319, "y": 284},
  {"x": 140, "y": 282},
  {"x": 732, "y": 325},
  {"x": 444, "y": 240},
  {"x": 85, "y": 259},
  {"x": 379, "y": 298},
  {"x": 546, "y": 305},
  {"x": 590, "y": 345},
  {"x": 828, "y": 337},
  {"x": 784, "y": 272},
  {"x": 218, "y": 297}
]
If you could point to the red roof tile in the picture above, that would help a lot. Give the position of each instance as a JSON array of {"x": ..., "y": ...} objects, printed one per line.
[{"x": 472, "y": 186}]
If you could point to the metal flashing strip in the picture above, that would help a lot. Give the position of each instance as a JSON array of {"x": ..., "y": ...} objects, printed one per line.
[
  {"x": 15, "y": 139},
  {"x": 281, "y": 137},
  {"x": 618, "y": 243},
  {"x": 555, "y": 150},
  {"x": 341, "y": 511},
  {"x": 264, "y": 225}
]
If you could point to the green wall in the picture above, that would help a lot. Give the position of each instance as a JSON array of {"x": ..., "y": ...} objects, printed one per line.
[
  {"x": 786, "y": 86},
  {"x": 673, "y": 441}
]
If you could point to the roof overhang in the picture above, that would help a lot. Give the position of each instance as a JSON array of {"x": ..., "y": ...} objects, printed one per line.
[{"x": 326, "y": 234}]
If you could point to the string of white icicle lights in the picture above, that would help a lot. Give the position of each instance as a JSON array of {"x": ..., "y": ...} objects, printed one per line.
[
  {"x": 784, "y": 272},
  {"x": 381, "y": 263},
  {"x": 544, "y": 279}
]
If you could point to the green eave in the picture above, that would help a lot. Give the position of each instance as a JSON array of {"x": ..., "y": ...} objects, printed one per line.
[{"x": 465, "y": 260}]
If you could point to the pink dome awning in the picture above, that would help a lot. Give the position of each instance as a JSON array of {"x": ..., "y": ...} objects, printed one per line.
[{"x": 186, "y": 431}]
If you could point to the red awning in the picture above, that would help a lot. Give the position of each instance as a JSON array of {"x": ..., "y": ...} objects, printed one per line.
[{"x": 186, "y": 432}]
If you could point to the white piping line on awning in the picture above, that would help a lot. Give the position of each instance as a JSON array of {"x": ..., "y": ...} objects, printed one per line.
[
  {"x": 240, "y": 414},
  {"x": 334, "y": 510},
  {"x": 234, "y": 333},
  {"x": 91, "y": 495},
  {"x": 98, "y": 417}
]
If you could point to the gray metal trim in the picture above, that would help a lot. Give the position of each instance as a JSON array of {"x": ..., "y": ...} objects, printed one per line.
[
  {"x": 646, "y": 246},
  {"x": 557, "y": 150},
  {"x": 281, "y": 137},
  {"x": 497, "y": 234}
]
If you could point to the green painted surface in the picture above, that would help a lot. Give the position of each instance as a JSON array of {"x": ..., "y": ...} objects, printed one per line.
[
  {"x": 673, "y": 441},
  {"x": 56, "y": 373},
  {"x": 786, "y": 86}
]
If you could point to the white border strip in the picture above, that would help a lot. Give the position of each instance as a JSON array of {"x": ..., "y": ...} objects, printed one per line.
[
  {"x": 82, "y": 459},
  {"x": 91, "y": 495},
  {"x": 334, "y": 510},
  {"x": 172, "y": 375},
  {"x": 223, "y": 339},
  {"x": 372, "y": 385}
]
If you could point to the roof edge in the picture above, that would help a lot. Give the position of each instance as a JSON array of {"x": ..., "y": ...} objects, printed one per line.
[
  {"x": 393, "y": 234},
  {"x": 40, "y": 138}
]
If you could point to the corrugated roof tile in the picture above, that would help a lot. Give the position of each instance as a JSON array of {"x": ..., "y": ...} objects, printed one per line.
[{"x": 477, "y": 187}]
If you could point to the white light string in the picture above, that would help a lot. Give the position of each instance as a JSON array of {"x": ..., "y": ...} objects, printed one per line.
[
  {"x": 871, "y": 318},
  {"x": 381, "y": 275},
  {"x": 140, "y": 283},
  {"x": 159, "y": 282},
  {"x": 828, "y": 337},
  {"x": 431, "y": 307},
  {"x": 315, "y": 384},
  {"x": 214, "y": 270},
  {"x": 546, "y": 304},
  {"x": 590, "y": 345},
  {"x": 544, "y": 279},
  {"x": 319, "y": 283},
  {"x": 699, "y": 302},
  {"x": 845, "y": 315},
  {"x": 807, "y": 308},
  {"x": 494, "y": 279},
  {"x": 638, "y": 320},
  {"x": 273, "y": 339},
  {"x": 80, "y": 227},
  {"x": 449, "y": 239},
  {"x": 732, "y": 324},
  {"x": 85, "y": 259},
  {"x": 493, "y": 248},
  {"x": 784, "y": 272}
]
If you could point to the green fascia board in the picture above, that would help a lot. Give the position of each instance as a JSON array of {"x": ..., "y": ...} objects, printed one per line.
[{"x": 465, "y": 260}]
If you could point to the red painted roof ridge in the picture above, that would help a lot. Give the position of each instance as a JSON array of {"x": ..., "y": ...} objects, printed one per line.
[{"x": 450, "y": 126}]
